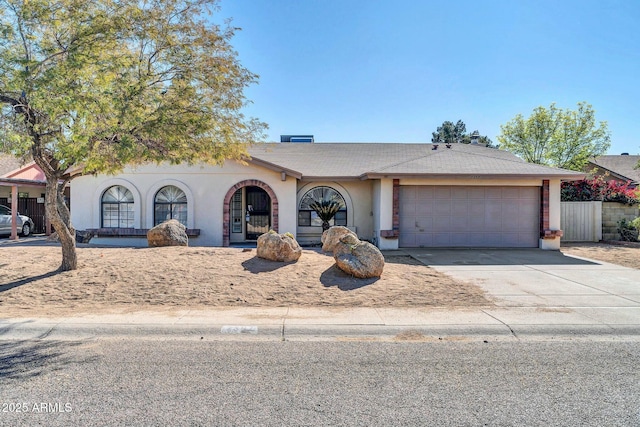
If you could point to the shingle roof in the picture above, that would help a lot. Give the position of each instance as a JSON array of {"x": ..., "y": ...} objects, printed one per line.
[
  {"x": 369, "y": 160},
  {"x": 8, "y": 164},
  {"x": 624, "y": 166}
]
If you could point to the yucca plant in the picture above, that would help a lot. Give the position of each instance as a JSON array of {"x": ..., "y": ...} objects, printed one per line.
[{"x": 326, "y": 210}]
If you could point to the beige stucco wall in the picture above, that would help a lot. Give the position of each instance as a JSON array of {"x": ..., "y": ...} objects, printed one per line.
[
  {"x": 357, "y": 195},
  {"x": 5, "y": 191},
  {"x": 383, "y": 213},
  {"x": 205, "y": 186}
]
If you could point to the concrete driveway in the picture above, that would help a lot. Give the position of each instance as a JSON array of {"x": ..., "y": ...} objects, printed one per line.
[{"x": 531, "y": 287}]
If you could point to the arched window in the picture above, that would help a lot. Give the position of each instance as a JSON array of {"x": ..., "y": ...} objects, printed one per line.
[
  {"x": 307, "y": 217},
  {"x": 117, "y": 207},
  {"x": 170, "y": 203}
]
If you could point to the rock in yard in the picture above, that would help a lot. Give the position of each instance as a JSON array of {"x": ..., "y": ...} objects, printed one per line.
[
  {"x": 83, "y": 236},
  {"x": 278, "y": 247},
  {"x": 331, "y": 237},
  {"x": 360, "y": 259},
  {"x": 169, "y": 233}
]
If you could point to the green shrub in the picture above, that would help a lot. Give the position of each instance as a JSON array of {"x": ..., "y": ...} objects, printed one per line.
[{"x": 629, "y": 230}]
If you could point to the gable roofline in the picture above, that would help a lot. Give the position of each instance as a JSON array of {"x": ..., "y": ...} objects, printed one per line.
[
  {"x": 274, "y": 167},
  {"x": 614, "y": 173}
]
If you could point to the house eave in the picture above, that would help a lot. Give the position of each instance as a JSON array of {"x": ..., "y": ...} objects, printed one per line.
[
  {"x": 306, "y": 178},
  {"x": 23, "y": 182},
  {"x": 274, "y": 167},
  {"x": 471, "y": 176}
]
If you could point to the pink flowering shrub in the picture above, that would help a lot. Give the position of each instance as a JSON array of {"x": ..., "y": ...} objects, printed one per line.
[{"x": 587, "y": 190}]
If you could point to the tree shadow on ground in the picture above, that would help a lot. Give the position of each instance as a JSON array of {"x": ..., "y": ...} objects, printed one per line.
[
  {"x": 333, "y": 276},
  {"x": 27, "y": 280},
  {"x": 26, "y": 359},
  {"x": 257, "y": 265}
]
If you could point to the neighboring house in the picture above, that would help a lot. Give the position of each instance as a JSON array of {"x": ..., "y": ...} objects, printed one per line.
[
  {"x": 395, "y": 195},
  {"x": 29, "y": 182},
  {"x": 620, "y": 168}
]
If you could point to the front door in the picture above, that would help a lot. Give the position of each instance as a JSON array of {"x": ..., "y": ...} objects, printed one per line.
[{"x": 257, "y": 212}]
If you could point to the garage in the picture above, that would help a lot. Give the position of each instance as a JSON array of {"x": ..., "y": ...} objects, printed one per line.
[{"x": 456, "y": 216}]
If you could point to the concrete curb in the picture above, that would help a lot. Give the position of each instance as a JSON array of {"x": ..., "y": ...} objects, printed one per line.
[{"x": 40, "y": 330}]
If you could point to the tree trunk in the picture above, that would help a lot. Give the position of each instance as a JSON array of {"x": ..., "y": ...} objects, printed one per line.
[{"x": 58, "y": 215}]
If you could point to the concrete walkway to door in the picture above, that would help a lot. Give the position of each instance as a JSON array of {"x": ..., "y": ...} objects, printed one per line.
[{"x": 542, "y": 291}]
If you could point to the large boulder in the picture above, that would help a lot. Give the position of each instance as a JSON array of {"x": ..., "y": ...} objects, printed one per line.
[
  {"x": 278, "y": 247},
  {"x": 169, "y": 233},
  {"x": 331, "y": 237},
  {"x": 360, "y": 259}
]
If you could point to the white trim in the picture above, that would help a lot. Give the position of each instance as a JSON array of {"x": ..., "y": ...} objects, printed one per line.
[
  {"x": 153, "y": 190},
  {"x": 104, "y": 186}
]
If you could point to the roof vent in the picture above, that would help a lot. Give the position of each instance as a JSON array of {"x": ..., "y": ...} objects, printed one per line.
[
  {"x": 624, "y": 154},
  {"x": 296, "y": 138},
  {"x": 434, "y": 147}
]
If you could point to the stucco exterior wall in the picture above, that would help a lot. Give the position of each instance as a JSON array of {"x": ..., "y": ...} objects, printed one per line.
[
  {"x": 205, "y": 187},
  {"x": 36, "y": 191},
  {"x": 383, "y": 213}
]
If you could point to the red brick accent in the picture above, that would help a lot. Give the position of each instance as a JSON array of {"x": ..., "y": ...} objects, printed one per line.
[
  {"x": 395, "y": 232},
  {"x": 226, "y": 219},
  {"x": 545, "y": 232},
  {"x": 544, "y": 207}
]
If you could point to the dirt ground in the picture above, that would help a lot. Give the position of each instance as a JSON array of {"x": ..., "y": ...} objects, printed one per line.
[
  {"x": 626, "y": 254},
  {"x": 179, "y": 278},
  {"x": 120, "y": 280}
]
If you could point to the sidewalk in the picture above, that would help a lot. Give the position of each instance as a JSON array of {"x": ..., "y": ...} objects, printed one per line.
[{"x": 535, "y": 294}]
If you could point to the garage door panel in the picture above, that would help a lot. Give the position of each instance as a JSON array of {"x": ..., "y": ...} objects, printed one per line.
[
  {"x": 441, "y": 239},
  {"x": 408, "y": 240},
  {"x": 443, "y": 207},
  {"x": 493, "y": 193},
  {"x": 424, "y": 240},
  {"x": 424, "y": 193},
  {"x": 460, "y": 223},
  {"x": 460, "y": 193},
  {"x": 477, "y": 193},
  {"x": 510, "y": 208},
  {"x": 424, "y": 224},
  {"x": 442, "y": 192},
  {"x": 510, "y": 193},
  {"x": 426, "y": 207},
  {"x": 476, "y": 223},
  {"x": 469, "y": 216},
  {"x": 476, "y": 208},
  {"x": 442, "y": 223},
  {"x": 408, "y": 192}
]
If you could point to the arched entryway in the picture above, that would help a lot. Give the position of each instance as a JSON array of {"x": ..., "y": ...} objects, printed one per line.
[{"x": 250, "y": 209}]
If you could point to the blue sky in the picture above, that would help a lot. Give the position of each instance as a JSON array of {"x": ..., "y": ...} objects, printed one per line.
[{"x": 394, "y": 70}]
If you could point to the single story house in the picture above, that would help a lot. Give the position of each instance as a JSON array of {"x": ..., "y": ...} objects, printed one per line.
[
  {"x": 395, "y": 195},
  {"x": 621, "y": 168}
]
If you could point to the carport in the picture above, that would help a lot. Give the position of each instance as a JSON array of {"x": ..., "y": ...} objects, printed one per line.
[{"x": 15, "y": 184}]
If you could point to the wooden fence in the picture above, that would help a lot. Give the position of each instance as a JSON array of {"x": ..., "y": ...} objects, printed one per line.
[{"x": 581, "y": 221}]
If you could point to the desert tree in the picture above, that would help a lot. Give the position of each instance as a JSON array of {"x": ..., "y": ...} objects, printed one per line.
[{"x": 90, "y": 87}]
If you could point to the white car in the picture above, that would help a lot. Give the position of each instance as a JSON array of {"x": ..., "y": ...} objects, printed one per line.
[{"x": 25, "y": 224}]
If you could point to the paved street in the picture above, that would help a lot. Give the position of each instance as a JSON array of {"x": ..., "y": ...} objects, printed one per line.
[{"x": 461, "y": 382}]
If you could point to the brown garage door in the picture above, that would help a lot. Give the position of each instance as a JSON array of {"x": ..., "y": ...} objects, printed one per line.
[{"x": 451, "y": 216}]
